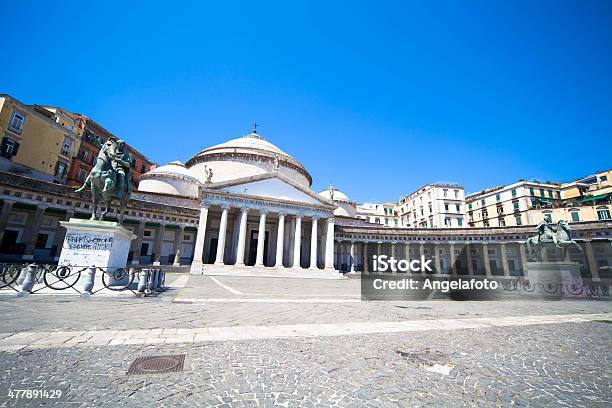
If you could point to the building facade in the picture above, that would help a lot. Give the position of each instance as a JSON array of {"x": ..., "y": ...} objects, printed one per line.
[
  {"x": 439, "y": 205},
  {"x": 33, "y": 143}
]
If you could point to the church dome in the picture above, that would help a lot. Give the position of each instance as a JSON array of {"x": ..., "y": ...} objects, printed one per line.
[
  {"x": 173, "y": 178},
  {"x": 345, "y": 207},
  {"x": 246, "y": 156},
  {"x": 334, "y": 195}
]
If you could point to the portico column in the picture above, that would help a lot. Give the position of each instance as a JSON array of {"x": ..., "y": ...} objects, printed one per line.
[
  {"x": 453, "y": 259},
  {"x": 60, "y": 235},
  {"x": 261, "y": 238},
  {"x": 137, "y": 243},
  {"x": 504, "y": 259},
  {"x": 523, "y": 258},
  {"x": 31, "y": 232},
  {"x": 437, "y": 263},
  {"x": 485, "y": 259},
  {"x": 329, "y": 245},
  {"x": 244, "y": 213},
  {"x": 468, "y": 256},
  {"x": 198, "y": 249},
  {"x": 176, "y": 245},
  {"x": 157, "y": 244},
  {"x": 222, "y": 233},
  {"x": 280, "y": 240},
  {"x": 593, "y": 267},
  {"x": 313, "y": 244},
  {"x": 422, "y": 254},
  {"x": 366, "y": 266},
  {"x": 7, "y": 205},
  {"x": 393, "y": 271},
  {"x": 352, "y": 257},
  {"x": 298, "y": 241}
]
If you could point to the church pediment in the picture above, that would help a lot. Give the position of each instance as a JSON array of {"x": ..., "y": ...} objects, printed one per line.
[{"x": 274, "y": 187}]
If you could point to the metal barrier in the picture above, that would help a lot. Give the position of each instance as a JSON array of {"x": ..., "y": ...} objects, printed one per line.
[{"x": 85, "y": 280}]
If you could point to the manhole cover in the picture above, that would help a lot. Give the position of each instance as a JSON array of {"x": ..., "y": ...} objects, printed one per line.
[{"x": 157, "y": 364}]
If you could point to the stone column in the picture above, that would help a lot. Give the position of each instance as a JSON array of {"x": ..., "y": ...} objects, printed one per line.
[
  {"x": 437, "y": 263},
  {"x": 198, "y": 249},
  {"x": 468, "y": 256},
  {"x": 176, "y": 245},
  {"x": 313, "y": 244},
  {"x": 137, "y": 243},
  {"x": 329, "y": 245},
  {"x": 222, "y": 233},
  {"x": 31, "y": 232},
  {"x": 407, "y": 251},
  {"x": 60, "y": 235},
  {"x": 504, "y": 259},
  {"x": 593, "y": 266},
  {"x": 393, "y": 249},
  {"x": 366, "y": 267},
  {"x": 422, "y": 254},
  {"x": 297, "y": 242},
  {"x": 485, "y": 259},
  {"x": 523, "y": 258},
  {"x": 7, "y": 206},
  {"x": 280, "y": 240},
  {"x": 352, "y": 257},
  {"x": 261, "y": 239},
  {"x": 244, "y": 214},
  {"x": 453, "y": 259},
  {"x": 157, "y": 244}
]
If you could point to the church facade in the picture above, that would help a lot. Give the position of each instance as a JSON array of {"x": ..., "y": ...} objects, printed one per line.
[{"x": 245, "y": 207}]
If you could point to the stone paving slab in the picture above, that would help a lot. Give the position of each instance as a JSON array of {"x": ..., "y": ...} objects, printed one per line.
[
  {"x": 52, "y": 339},
  {"x": 557, "y": 365}
]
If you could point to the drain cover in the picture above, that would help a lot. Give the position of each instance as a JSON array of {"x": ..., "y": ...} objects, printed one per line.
[{"x": 157, "y": 364}]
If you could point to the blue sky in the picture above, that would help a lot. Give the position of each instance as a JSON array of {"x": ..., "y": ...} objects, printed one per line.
[{"x": 377, "y": 97}]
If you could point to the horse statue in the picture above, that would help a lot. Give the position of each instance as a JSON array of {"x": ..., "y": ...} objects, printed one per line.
[
  {"x": 548, "y": 234},
  {"x": 110, "y": 177}
]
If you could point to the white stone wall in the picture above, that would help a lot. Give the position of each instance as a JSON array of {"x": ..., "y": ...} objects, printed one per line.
[{"x": 167, "y": 185}]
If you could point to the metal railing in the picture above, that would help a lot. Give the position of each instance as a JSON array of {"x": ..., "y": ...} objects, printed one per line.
[{"x": 34, "y": 278}]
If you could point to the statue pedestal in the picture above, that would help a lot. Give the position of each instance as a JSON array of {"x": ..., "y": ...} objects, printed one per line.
[
  {"x": 103, "y": 244},
  {"x": 555, "y": 279}
]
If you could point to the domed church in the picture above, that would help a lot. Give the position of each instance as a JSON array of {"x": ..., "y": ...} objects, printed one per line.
[{"x": 257, "y": 211}]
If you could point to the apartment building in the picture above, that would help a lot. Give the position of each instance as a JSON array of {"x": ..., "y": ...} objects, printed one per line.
[{"x": 438, "y": 205}]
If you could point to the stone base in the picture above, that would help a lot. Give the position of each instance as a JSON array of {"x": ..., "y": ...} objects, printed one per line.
[
  {"x": 103, "y": 244},
  {"x": 267, "y": 272},
  {"x": 562, "y": 274}
]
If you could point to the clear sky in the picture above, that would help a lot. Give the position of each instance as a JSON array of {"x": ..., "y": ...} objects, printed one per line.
[{"x": 378, "y": 97}]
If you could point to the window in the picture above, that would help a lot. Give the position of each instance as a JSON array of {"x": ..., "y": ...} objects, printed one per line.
[
  {"x": 575, "y": 216},
  {"x": 456, "y": 193},
  {"x": 550, "y": 194},
  {"x": 82, "y": 175},
  {"x": 498, "y": 197},
  {"x": 482, "y": 202},
  {"x": 501, "y": 222},
  {"x": 558, "y": 195},
  {"x": 534, "y": 202},
  {"x": 500, "y": 209},
  {"x": 542, "y": 193},
  {"x": 548, "y": 218},
  {"x": 518, "y": 220},
  {"x": 133, "y": 163},
  {"x": 460, "y": 222},
  {"x": 8, "y": 148},
  {"x": 514, "y": 192},
  {"x": 447, "y": 222},
  {"x": 16, "y": 124},
  {"x": 445, "y": 192},
  {"x": 470, "y": 206},
  {"x": 66, "y": 147},
  {"x": 85, "y": 155},
  {"x": 531, "y": 192},
  {"x": 516, "y": 205},
  {"x": 458, "y": 207},
  {"x": 60, "y": 169},
  {"x": 41, "y": 241},
  {"x": 603, "y": 214},
  {"x": 445, "y": 207},
  {"x": 603, "y": 178},
  {"x": 142, "y": 168}
]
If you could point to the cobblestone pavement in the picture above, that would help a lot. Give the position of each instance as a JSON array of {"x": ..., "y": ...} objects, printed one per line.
[
  {"x": 548, "y": 365},
  {"x": 566, "y": 364}
]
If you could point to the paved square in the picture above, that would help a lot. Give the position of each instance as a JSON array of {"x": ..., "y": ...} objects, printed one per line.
[{"x": 290, "y": 342}]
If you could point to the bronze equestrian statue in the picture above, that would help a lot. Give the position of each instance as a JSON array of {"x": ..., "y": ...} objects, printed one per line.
[{"x": 110, "y": 177}]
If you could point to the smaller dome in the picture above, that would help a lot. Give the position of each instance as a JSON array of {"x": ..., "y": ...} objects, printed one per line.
[
  {"x": 173, "y": 178},
  {"x": 334, "y": 195}
]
